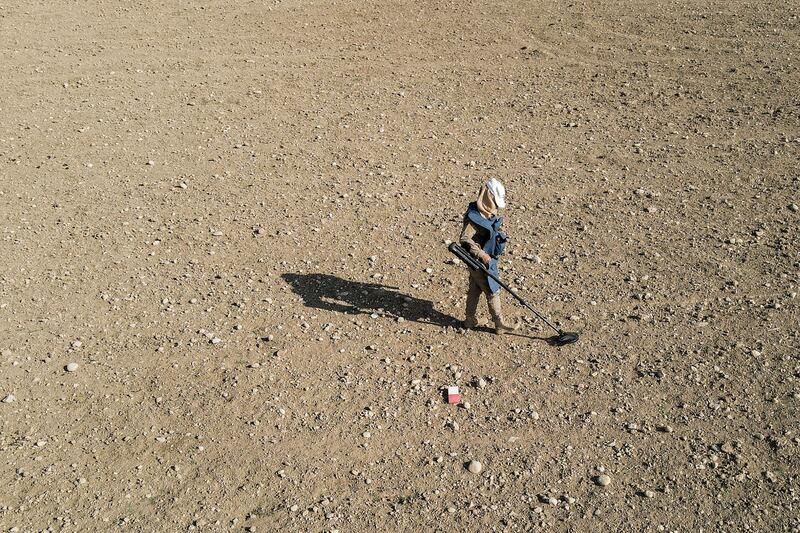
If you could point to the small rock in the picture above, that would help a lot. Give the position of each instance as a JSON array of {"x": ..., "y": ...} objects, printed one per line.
[
  {"x": 9, "y": 398},
  {"x": 77, "y": 344},
  {"x": 728, "y": 448},
  {"x": 294, "y": 508},
  {"x": 793, "y": 207},
  {"x": 475, "y": 467},
  {"x": 72, "y": 367},
  {"x": 649, "y": 494},
  {"x": 603, "y": 480}
]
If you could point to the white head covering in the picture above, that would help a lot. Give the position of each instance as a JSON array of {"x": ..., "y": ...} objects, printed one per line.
[{"x": 498, "y": 192}]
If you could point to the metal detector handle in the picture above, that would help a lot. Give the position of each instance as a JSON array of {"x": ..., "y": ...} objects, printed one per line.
[
  {"x": 474, "y": 264},
  {"x": 468, "y": 260}
]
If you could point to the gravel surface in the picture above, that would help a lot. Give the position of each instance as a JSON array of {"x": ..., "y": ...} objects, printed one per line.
[{"x": 233, "y": 215}]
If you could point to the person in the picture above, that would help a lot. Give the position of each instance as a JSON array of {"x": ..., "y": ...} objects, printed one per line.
[{"x": 482, "y": 237}]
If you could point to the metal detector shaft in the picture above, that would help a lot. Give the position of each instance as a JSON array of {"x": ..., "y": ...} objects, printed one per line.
[{"x": 474, "y": 264}]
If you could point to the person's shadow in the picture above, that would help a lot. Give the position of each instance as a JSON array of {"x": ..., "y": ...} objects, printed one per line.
[{"x": 324, "y": 291}]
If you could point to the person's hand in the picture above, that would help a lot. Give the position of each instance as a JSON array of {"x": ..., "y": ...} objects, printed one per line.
[{"x": 486, "y": 259}]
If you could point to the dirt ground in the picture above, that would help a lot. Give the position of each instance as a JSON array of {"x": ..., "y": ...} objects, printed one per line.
[{"x": 233, "y": 215}]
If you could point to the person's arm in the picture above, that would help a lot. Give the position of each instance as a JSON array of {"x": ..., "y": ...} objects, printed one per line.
[{"x": 468, "y": 241}]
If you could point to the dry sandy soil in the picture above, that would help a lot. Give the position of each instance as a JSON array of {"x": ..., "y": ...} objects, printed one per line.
[{"x": 232, "y": 216}]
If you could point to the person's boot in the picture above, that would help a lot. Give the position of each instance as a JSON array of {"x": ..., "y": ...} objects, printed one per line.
[
  {"x": 501, "y": 326},
  {"x": 472, "y": 322}
]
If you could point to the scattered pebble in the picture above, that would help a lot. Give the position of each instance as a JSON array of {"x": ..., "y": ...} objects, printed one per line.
[
  {"x": 72, "y": 367},
  {"x": 475, "y": 467},
  {"x": 603, "y": 480},
  {"x": 9, "y": 398}
]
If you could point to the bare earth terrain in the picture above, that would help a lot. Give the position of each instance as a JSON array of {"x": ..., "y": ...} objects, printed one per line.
[{"x": 232, "y": 216}]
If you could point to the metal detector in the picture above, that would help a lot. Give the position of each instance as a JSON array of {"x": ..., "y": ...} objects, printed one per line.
[{"x": 560, "y": 339}]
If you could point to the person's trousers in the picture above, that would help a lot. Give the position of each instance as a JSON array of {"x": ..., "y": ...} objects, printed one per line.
[{"x": 479, "y": 284}]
